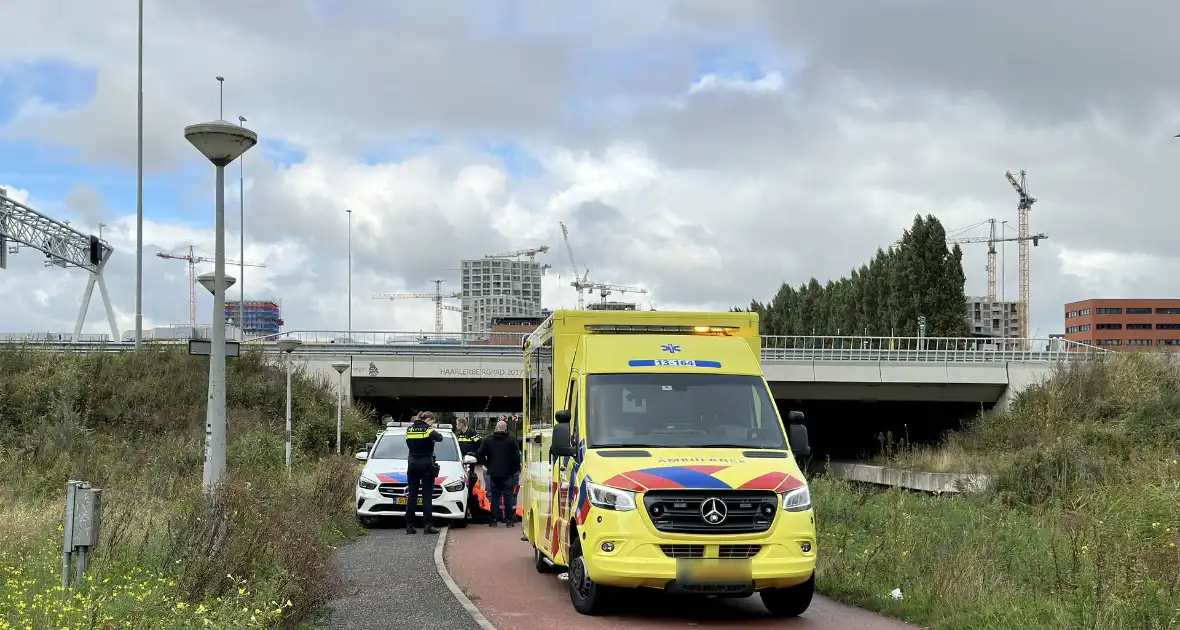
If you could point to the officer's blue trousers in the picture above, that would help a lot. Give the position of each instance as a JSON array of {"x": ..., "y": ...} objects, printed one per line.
[{"x": 421, "y": 482}]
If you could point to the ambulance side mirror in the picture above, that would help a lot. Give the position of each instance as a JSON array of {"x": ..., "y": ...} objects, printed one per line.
[
  {"x": 561, "y": 445},
  {"x": 800, "y": 445}
]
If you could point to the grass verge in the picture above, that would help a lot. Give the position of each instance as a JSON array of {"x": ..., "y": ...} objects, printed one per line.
[
  {"x": 1081, "y": 529},
  {"x": 254, "y": 556}
]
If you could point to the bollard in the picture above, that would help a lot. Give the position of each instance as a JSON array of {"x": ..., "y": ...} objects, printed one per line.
[{"x": 79, "y": 530}]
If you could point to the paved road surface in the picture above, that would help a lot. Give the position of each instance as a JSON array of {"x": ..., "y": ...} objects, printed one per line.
[
  {"x": 390, "y": 581},
  {"x": 495, "y": 569}
]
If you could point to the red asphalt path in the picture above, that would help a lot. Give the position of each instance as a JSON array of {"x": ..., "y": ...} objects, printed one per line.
[{"x": 494, "y": 568}]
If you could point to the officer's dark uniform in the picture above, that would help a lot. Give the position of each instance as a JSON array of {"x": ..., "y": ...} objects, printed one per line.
[
  {"x": 420, "y": 471},
  {"x": 468, "y": 442}
]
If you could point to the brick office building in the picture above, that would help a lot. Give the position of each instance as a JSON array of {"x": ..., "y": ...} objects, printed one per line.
[{"x": 1124, "y": 324}]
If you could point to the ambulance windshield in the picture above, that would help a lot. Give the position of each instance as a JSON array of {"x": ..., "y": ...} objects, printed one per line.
[{"x": 681, "y": 411}]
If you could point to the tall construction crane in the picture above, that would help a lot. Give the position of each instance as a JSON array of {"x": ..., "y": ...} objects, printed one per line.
[
  {"x": 580, "y": 283},
  {"x": 991, "y": 239},
  {"x": 437, "y": 296},
  {"x": 606, "y": 289},
  {"x": 193, "y": 259},
  {"x": 1026, "y": 203},
  {"x": 531, "y": 252}
]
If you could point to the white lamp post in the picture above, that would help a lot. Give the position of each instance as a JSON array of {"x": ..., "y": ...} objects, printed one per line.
[
  {"x": 340, "y": 367},
  {"x": 287, "y": 346},
  {"x": 221, "y": 143}
]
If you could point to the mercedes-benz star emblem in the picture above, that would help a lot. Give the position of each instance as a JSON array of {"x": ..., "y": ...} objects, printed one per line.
[{"x": 713, "y": 510}]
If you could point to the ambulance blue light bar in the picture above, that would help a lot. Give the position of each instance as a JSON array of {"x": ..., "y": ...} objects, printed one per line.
[{"x": 662, "y": 328}]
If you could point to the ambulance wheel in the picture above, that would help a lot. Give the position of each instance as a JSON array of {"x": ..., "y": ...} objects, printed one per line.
[
  {"x": 542, "y": 565},
  {"x": 791, "y": 601},
  {"x": 587, "y": 597}
]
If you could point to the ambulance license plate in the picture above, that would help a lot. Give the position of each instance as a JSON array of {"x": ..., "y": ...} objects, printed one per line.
[{"x": 713, "y": 571}]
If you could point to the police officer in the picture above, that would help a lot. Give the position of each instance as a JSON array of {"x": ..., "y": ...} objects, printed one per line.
[
  {"x": 421, "y": 470},
  {"x": 468, "y": 438}
]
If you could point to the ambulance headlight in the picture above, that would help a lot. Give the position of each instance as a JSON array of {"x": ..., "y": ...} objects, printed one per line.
[
  {"x": 610, "y": 498},
  {"x": 454, "y": 486},
  {"x": 797, "y": 500},
  {"x": 366, "y": 484}
]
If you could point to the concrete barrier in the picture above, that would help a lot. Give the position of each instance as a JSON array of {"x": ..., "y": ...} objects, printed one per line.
[{"x": 911, "y": 479}]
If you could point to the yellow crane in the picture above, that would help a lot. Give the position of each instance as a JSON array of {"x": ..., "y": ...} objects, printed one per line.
[
  {"x": 991, "y": 239},
  {"x": 438, "y": 296},
  {"x": 1022, "y": 208}
]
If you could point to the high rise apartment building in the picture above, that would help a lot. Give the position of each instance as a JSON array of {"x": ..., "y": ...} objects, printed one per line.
[
  {"x": 993, "y": 318},
  {"x": 259, "y": 318},
  {"x": 1124, "y": 324},
  {"x": 498, "y": 287}
]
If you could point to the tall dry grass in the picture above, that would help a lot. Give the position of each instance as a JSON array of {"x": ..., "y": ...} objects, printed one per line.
[
  {"x": 1081, "y": 529},
  {"x": 256, "y": 555}
]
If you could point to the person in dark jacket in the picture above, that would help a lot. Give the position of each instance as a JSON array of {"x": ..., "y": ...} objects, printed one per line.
[
  {"x": 420, "y": 471},
  {"x": 500, "y": 455}
]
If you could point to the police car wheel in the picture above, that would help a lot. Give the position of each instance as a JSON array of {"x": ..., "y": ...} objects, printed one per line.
[
  {"x": 458, "y": 523},
  {"x": 367, "y": 522}
]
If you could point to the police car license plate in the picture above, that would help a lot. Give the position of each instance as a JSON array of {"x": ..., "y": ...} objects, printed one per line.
[{"x": 404, "y": 501}]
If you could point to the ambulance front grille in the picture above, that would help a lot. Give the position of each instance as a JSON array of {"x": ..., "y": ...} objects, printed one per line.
[{"x": 679, "y": 511}]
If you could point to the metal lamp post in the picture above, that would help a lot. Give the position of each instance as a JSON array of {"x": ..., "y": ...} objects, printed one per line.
[
  {"x": 221, "y": 143},
  {"x": 340, "y": 367},
  {"x": 242, "y": 239},
  {"x": 287, "y": 346}
]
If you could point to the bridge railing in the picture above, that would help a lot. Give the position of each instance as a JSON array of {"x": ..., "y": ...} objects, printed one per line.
[
  {"x": 940, "y": 349},
  {"x": 781, "y": 348}
]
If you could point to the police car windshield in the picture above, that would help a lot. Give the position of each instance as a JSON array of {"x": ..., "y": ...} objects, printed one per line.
[
  {"x": 681, "y": 411},
  {"x": 393, "y": 446}
]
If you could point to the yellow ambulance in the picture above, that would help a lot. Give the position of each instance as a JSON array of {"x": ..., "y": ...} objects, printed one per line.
[{"x": 656, "y": 458}]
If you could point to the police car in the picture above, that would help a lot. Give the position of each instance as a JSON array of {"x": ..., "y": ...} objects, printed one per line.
[{"x": 381, "y": 490}]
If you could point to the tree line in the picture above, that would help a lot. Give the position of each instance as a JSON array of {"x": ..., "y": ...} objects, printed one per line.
[{"x": 918, "y": 276}]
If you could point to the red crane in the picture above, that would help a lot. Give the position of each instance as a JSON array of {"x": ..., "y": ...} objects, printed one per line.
[{"x": 193, "y": 259}]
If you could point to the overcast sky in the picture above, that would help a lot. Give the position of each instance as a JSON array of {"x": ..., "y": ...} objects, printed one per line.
[{"x": 704, "y": 150}]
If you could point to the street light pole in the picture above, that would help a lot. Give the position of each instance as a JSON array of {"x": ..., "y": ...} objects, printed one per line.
[
  {"x": 340, "y": 368},
  {"x": 220, "y": 98},
  {"x": 349, "y": 211},
  {"x": 287, "y": 346},
  {"x": 242, "y": 238},
  {"x": 139, "y": 193},
  {"x": 221, "y": 143}
]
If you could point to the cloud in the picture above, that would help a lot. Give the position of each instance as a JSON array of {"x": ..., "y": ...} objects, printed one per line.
[{"x": 705, "y": 152}]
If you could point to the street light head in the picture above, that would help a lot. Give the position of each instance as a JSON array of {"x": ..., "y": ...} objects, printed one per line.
[
  {"x": 219, "y": 78},
  {"x": 209, "y": 281},
  {"x": 288, "y": 344},
  {"x": 340, "y": 367},
  {"x": 241, "y": 119},
  {"x": 220, "y": 141}
]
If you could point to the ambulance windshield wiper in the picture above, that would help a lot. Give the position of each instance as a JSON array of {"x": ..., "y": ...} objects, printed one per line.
[
  {"x": 719, "y": 446},
  {"x": 622, "y": 445}
]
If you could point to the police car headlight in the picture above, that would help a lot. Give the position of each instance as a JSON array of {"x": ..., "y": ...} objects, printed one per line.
[
  {"x": 610, "y": 498},
  {"x": 454, "y": 486},
  {"x": 797, "y": 500},
  {"x": 366, "y": 484}
]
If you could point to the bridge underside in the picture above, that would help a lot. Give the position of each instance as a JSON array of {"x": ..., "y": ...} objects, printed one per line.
[
  {"x": 900, "y": 392},
  {"x": 401, "y": 397}
]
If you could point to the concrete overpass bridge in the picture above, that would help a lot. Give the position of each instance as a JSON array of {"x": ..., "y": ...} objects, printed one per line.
[{"x": 865, "y": 369}]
